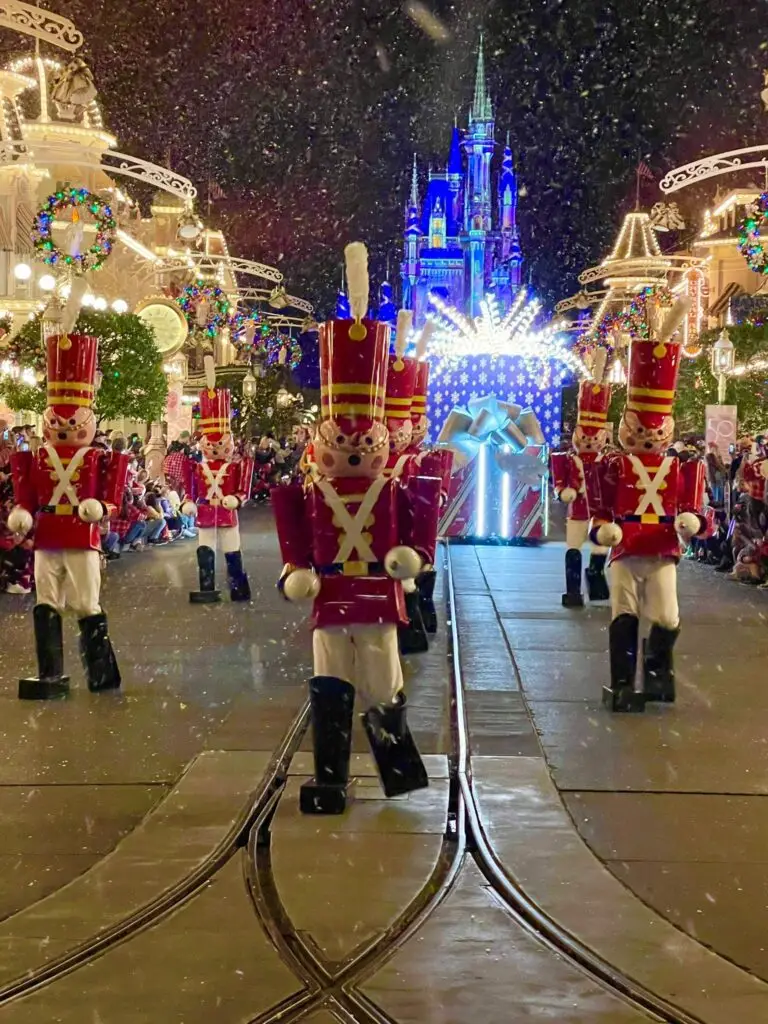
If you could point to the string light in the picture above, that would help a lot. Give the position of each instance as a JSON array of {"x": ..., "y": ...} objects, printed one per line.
[{"x": 750, "y": 237}]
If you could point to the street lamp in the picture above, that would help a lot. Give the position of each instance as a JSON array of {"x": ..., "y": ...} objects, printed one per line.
[
  {"x": 723, "y": 356},
  {"x": 250, "y": 385}
]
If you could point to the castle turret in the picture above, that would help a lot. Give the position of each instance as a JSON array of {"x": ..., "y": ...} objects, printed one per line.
[
  {"x": 409, "y": 269},
  {"x": 454, "y": 172}
]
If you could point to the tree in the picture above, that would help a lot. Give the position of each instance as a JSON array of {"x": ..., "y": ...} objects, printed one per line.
[
  {"x": 697, "y": 386},
  {"x": 133, "y": 383}
]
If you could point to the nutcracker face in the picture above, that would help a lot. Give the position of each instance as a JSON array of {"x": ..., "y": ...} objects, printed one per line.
[
  {"x": 76, "y": 431},
  {"x": 584, "y": 443},
  {"x": 363, "y": 454},
  {"x": 219, "y": 451},
  {"x": 420, "y": 431},
  {"x": 637, "y": 438},
  {"x": 401, "y": 438}
]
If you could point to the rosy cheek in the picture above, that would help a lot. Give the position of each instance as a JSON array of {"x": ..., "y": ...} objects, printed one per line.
[
  {"x": 327, "y": 460},
  {"x": 378, "y": 462},
  {"x": 82, "y": 434}
]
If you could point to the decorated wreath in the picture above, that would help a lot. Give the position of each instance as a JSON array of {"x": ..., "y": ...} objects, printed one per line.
[
  {"x": 751, "y": 244},
  {"x": 74, "y": 202},
  {"x": 206, "y": 308},
  {"x": 247, "y": 329},
  {"x": 281, "y": 350}
]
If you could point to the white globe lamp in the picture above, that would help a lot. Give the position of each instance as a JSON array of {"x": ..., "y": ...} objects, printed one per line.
[
  {"x": 47, "y": 282},
  {"x": 22, "y": 271}
]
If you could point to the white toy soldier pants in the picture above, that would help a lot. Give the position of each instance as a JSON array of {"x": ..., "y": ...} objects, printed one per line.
[
  {"x": 365, "y": 656},
  {"x": 576, "y": 533},
  {"x": 69, "y": 580},
  {"x": 229, "y": 538},
  {"x": 647, "y": 588}
]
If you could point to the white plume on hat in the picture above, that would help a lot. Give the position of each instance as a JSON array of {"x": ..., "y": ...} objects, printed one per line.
[
  {"x": 210, "y": 371},
  {"x": 673, "y": 319},
  {"x": 358, "y": 287},
  {"x": 404, "y": 324},
  {"x": 422, "y": 342}
]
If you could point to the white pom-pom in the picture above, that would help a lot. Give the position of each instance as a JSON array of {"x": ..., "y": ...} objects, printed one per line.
[
  {"x": 71, "y": 311},
  {"x": 90, "y": 511},
  {"x": 673, "y": 319},
  {"x": 422, "y": 343},
  {"x": 209, "y": 365},
  {"x": 402, "y": 563},
  {"x": 763, "y": 467},
  {"x": 230, "y": 502},
  {"x": 301, "y": 585},
  {"x": 567, "y": 495},
  {"x": 20, "y": 521},
  {"x": 404, "y": 323},
  {"x": 598, "y": 365},
  {"x": 609, "y": 535},
  {"x": 687, "y": 525},
  {"x": 356, "y": 258},
  {"x": 189, "y": 508}
]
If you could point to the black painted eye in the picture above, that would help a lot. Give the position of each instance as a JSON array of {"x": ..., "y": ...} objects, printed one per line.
[
  {"x": 340, "y": 439},
  {"x": 369, "y": 440},
  {"x": 72, "y": 423}
]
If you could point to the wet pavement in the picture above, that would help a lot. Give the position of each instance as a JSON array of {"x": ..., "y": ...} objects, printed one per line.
[{"x": 644, "y": 836}]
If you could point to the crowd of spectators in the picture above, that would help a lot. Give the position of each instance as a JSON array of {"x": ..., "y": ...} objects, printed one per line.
[{"x": 736, "y": 544}]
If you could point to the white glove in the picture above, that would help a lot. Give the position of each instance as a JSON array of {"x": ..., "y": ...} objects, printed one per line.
[
  {"x": 189, "y": 508},
  {"x": 20, "y": 521},
  {"x": 687, "y": 525},
  {"x": 402, "y": 563},
  {"x": 609, "y": 535},
  {"x": 567, "y": 495},
  {"x": 230, "y": 502},
  {"x": 301, "y": 585},
  {"x": 90, "y": 510}
]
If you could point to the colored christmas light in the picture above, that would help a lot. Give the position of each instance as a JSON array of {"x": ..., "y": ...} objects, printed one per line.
[
  {"x": 751, "y": 245},
  {"x": 73, "y": 199},
  {"x": 218, "y": 307}
]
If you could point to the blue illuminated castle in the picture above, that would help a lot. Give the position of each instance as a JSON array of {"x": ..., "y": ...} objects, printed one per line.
[{"x": 462, "y": 242}]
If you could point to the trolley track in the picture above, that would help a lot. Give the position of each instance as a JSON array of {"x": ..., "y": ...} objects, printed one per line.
[{"x": 336, "y": 988}]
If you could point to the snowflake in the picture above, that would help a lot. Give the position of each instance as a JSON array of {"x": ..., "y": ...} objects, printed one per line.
[
  {"x": 548, "y": 398},
  {"x": 529, "y": 397},
  {"x": 464, "y": 379},
  {"x": 483, "y": 378}
]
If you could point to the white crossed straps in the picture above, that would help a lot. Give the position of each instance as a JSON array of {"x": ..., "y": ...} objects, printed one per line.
[
  {"x": 352, "y": 529},
  {"x": 215, "y": 480},
  {"x": 652, "y": 487},
  {"x": 64, "y": 483}
]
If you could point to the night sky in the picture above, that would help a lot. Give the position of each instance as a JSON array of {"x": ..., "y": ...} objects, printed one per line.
[{"x": 307, "y": 112}]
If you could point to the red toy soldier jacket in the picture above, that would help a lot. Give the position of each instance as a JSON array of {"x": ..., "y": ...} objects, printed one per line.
[
  {"x": 53, "y": 482},
  {"x": 208, "y": 483},
  {"x": 572, "y": 469},
  {"x": 643, "y": 494},
  {"x": 343, "y": 529}
]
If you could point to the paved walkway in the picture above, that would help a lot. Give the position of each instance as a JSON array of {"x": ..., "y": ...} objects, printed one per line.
[{"x": 643, "y": 836}]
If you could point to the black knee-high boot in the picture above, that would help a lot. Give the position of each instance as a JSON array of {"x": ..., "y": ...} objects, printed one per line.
[
  {"x": 597, "y": 584},
  {"x": 412, "y": 639},
  {"x": 623, "y": 639},
  {"x": 573, "y": 598},
  {"x": 659, "y": 665},
  {"x": 98, "y": 655},
  {"x": 425, "y": 584},
  {"x": 49, "y": 644},
  {"x": 239, "y": 587},
  {"x": 332, "y": 702},
  {"x": 399, "y": 763},
  {"x": 206, "y": 564}
]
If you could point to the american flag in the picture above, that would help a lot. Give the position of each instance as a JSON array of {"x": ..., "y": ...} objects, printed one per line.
[
  {"x": 215, "y": 192},
  {"x": 644, "y": 171}
]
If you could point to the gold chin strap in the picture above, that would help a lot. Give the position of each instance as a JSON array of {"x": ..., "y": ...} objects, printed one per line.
[{"x": 358, "y": 331}]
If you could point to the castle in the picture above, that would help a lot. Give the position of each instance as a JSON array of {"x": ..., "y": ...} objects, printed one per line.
[{"x": 451, "y": 244}]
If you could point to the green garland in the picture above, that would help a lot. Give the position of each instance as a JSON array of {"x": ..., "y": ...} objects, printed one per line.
[
  {"x": 751, "y": 242},
  {"x": 78, "y": 200}
]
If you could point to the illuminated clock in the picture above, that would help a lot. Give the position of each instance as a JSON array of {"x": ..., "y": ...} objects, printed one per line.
[{"x": 167, "y": 321}]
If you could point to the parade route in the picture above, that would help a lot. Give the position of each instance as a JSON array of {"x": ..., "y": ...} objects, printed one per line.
[{"x": 126, "y": 818}]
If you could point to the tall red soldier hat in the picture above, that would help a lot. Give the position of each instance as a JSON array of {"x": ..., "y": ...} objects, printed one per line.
[
  {"x": 594, "y": 401},
  {"x": 652, "y": 379},
  {"x": 71, "y": 365},
  {"x": 353, "y": 373},
  {"x": 215, "y": 419},
  {"x": 419, "y": 403},
  {"x": 401, "y": 382}
]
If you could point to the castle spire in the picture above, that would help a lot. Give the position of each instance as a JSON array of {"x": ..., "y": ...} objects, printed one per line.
[
  {"x": 481, "y": 105},
  {"x": 454, "y": 155},
  {"x": 415, "y": 184}
]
